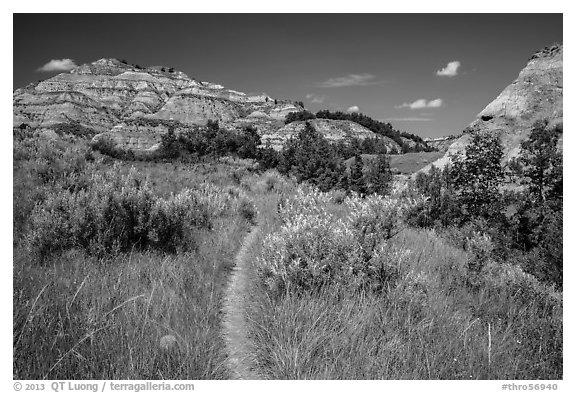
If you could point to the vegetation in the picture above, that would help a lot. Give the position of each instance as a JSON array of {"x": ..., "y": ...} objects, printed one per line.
[
  {"x": 347, "y": 292},
  {"x": 380, "y": 128},
  {"x": 309, "y": 157},
  {"x": 298, "y": 116},
  {"x": 110, "y": 257},
  {"x": 457, "y": 277},
  {"x": 525, "y": 225}
]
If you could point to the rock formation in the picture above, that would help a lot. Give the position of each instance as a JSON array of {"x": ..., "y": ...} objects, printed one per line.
[
  {"x": 535, "y": 95},
  {"x": 108, "y": 95},
  {"x": 333, "y": 130}
]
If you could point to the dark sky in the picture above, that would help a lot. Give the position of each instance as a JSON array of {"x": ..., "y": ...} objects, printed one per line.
[{"x": 376, "y": 62}]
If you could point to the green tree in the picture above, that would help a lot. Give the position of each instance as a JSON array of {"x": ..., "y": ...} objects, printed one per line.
[
  {"x": 357, "y": 181},
  {"x": 542, "y": 162},
  {"x": 379, "y": 176},
  {"x": 249, "y": 142},
  {"x": 310, "y": 157},
  {"x": 476, "y": 176}
]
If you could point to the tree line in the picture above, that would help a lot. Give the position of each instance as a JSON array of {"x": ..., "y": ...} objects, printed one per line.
[{"x": 378, "y": 127}]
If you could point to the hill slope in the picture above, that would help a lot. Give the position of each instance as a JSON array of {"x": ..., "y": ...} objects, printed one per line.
[
  {"x": 535, "y": 95},
  {"x": 333, "y": 130},
  {"x": 109, "y": 94}
]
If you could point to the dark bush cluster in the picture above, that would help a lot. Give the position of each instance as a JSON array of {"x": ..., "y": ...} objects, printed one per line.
[
  {"x": 115, "y": 213},
  {"x": 309, "y": 157},
  {"x": 525, "y": 226}
]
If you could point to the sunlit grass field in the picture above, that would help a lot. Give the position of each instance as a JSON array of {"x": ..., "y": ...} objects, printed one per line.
[{"x": 339, "y": 286}]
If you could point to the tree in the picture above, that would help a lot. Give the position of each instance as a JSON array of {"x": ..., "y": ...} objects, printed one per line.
[
  {"x": 379, "y": 176},
  {"x": 249, "y": 142},
  {"x": 268, "y": 158},
  {"x": 477, "y": 175},
  {"x": 538, "y": 224},
  {"x": 357, "y": 182},
  {"x": 298, "y": 116},
  {"x": 310, "y": 157},
  {"x": 169, "y": 144},
  {"x": 542, "y": 162}
]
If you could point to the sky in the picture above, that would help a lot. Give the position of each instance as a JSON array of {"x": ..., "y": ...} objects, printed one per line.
[{"x": 428, "y": 74}]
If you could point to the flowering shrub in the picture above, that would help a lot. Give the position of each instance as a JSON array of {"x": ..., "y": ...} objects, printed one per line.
[
  {"x": 374, "y": 220},
  {"x": 306, "y": 201},
  {"x": 309, "y": 251},
  {"x": 315, "y": 247}
]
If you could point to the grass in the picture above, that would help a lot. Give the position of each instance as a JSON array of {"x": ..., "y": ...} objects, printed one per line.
[
  {"x": 430, "y": 325},
  {"x": 410, "y": 163},
  {"x": 78, "y": 316},
  {"x": 82, "y": 318}
]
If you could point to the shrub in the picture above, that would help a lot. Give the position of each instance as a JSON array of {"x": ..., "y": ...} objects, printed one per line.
[
  {"x": 172, "y": 221},
  {"x": 374, "y": 220},
  {"x": 115, "y": 213},
  {"x": 315, "y": 247},
  {"x": 247, "y": 211},
  {"x": 307, "y": 253},
  {"x": 107, "y": 147}
]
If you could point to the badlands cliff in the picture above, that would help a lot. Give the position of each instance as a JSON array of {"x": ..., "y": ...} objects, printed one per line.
[
  {"x": 535, "y": 95},
  {"x": 108, "y": 95}
]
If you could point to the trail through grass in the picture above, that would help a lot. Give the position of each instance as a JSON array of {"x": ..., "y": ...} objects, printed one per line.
[{"x": 235, "y": 330}]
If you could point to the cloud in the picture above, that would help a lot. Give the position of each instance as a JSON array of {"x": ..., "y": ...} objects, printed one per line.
[
  {"x": 409, "y": 119},
  {"x": 421, "y": 104},
  {"x": 315, "y": 99},
  {"x": 437, "y": 103},
  {"x": 351, "y": 80},
  {"x": 58, "y": 65},
  {"x": 353, "y": 109},
  {"x": 450, "y": 70}
]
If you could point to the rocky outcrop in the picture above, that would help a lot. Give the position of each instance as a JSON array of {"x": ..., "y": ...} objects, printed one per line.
[
  {"x": 333, "y": 130},
  {"x": 535, "y": 95},
  {"x": 107, "y": 95},
  {"x": 442, "y": 143}
]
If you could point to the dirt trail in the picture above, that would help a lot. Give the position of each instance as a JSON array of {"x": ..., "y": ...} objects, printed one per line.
[{"x": 234, "y": 326}]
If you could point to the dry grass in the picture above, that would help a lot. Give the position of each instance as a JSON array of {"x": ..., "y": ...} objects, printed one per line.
[
  {"x": 87, "y": 319},
  {"x": 77, "y": 316},
  {"x": 431, "y": 325}
]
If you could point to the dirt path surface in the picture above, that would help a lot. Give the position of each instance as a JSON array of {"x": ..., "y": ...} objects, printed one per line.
[{"x": 234, "y": 326}]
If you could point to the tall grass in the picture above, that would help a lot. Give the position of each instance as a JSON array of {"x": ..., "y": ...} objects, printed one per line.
[
  {"x": 83, "y": 318},
  {"x": 442, "y": 313},
  {"x": 135, "y": 264}
]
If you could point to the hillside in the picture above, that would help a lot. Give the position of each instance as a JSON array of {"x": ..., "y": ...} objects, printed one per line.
[
  {"x": 333, "y": 130},
  {"x": 535, "y": 95},
  {"x": 108, "y": 95}
]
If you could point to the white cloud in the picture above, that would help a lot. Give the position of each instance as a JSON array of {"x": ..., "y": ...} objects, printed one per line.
[
  {"x": 313, "y": 98},
  {"x": 58, "y": 65},
  {"x": 450, "y": 70},
  {"x": 422, "y": 103},
  {"x": 353, "y": 109},
  {"x": 437, "y": 103},
  {"x": 409, "y": 119},
  {"x": 351, "y": 80}
]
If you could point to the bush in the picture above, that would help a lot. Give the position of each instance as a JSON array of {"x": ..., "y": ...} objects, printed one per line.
[
  {"x": 247, "y": 211},
  {"x": 115, "y": 213},
  {"x": 107, "y": 147},
  {"x": 298, "y": 116},
  {"x": 316, "y": 247}
]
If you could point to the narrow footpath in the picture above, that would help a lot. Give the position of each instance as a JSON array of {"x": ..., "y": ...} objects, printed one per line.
[{"x": 240, "y": 362}]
